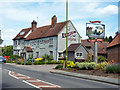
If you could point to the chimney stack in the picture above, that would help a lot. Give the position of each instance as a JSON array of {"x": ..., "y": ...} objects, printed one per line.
[
  {"x": 34, "y": 25},
  {"x": 54, "y": 21}
]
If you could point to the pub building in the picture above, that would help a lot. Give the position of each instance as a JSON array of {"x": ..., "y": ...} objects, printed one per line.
[{"x": 49, "y": 39}]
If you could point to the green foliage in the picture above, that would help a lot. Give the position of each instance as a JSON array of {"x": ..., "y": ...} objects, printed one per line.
[
  {"x": 112, "y": 68},
  {"x": 53, "y": 62},
  {"x": 101, "y": 59},
  {"x": 7, "y": 51},
  {"x": 27, "y": 63},
  {"x": 101, "y": 66},
  {"x": 58, "y": 67},
  {"x": 14, "y": 57},
  {"x": 47, "y": 57},
  {"x": 60, "y": 62},
  {"x": 110, "y": 39},
  {"x": 85, "y": 66},
  {"x": 30, "y": 58},
  {"x": 70, "y": 64},
  {"x": 19, "y": 62},
  {"x": 89, "y": 57}
]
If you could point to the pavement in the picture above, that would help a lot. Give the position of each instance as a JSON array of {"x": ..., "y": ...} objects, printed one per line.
[{"x": 86, "y": 76}]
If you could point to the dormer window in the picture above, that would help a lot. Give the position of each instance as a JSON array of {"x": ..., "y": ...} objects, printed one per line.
[{"x": 22, "y": 33}]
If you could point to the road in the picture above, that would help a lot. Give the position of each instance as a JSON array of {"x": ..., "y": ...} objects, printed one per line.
[{"x": 60, "y": 80}]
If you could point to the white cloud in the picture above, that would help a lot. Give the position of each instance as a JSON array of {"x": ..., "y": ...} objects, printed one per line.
[
  {"x": 26, "y": 12},
  {"x": 7, "y": 35},
  {"x": 108, "y": 10}
]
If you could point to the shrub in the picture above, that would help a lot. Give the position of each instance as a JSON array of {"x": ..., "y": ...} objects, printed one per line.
[
  {"x": 70, "y": 64},
  {"x": 60, "y": 62},
  {"x": 89, "y": 57},
  {"x": 18, "y": 62},
  {"x": 46, "y": 56},
  {"x": 13, "y": 57},
  {"x": 53, "y": 62},
  {"x": 35, "y": 62},
  {"x": 112, "y": 68},
  {"x": 13, "y": 61},
  {"x": 86, "y": 66},
  {"x": 28, "y": 63},
  {"x": 38, "y": 59},
  {"x": 42, "y": 62},
  {"x": 101, "y": 66},
  {"x": 76, "y": 64},
  {"x": 101, "y": 59},
  {"x": 58, "y": 67}
]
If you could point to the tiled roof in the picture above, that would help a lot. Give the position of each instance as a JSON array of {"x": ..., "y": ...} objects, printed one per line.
[
  {"x": 28, "y": 49},
  {"x": 26, "y": 30},
  {"x": 101, "y": 46},
  {"x": 115, "y": 41},
  {"x": 46, "y": 31},
  {"x": 73, "y": 47}
]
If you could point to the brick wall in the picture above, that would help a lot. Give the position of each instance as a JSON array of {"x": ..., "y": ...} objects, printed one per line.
[{"x": 113, "y": 53}]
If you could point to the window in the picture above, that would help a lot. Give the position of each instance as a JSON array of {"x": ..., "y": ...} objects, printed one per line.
[
  {"x": 60, "y": 54},
  {"x": 51, "y": 53},
  {"x": 79, "y": 54},
  {"x": 51, "y": 40},
  {"x": 37, "y": 54},
  {"x": 22, "y": 33},
  {"x": 15, "y": 42},
  {"x": 18, "y": 42}
]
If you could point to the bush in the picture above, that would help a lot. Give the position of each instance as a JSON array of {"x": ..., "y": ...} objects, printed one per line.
[
  {"x": 60, "y": 62},
  {"x": 101, "y": 66},
  {"x": 76, "y": 64},
  {"x": 86, "y": 66},
  {"x": 112, "y": 68},
  {"x": 18, "y": 62},
  {"x": 58, "y": 67},
  {"x": 53, "y": 62},
  {"x": 70, "y": 64},
  {"x": 28, "y": 63},
  {"x": 101, "y": 59},
  {"x": 13, "y": 57},
  {"x": 42, "y": 62},
  {"x": 47, "y": 57},
  {"x": 38, "y": 59}
]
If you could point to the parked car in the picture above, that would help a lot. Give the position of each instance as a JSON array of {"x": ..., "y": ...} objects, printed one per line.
[{"x": 2, "y": 59}]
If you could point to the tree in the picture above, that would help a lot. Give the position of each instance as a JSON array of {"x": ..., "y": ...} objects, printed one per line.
[
  {"x": 7, "y": 51},
  {"x": 110, "y": 39},
  {"x": 106, "y": 39}
]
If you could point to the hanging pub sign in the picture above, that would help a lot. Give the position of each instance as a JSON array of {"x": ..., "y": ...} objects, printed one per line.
[{"x": 95, "y": 29}]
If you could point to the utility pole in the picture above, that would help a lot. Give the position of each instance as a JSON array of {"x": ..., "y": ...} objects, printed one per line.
[
  {"x": 66, "y": 30},
  {"x": 95, "y": 51}
]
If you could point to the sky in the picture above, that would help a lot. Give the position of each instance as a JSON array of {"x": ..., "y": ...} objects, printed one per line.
[{"x": 18, "y": 14}]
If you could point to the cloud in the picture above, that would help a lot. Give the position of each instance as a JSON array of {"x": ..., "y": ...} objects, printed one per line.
[
  {"x": 7, "y": 35},
  {"x": 23, "y": 13},
  {"x": 106, "y": 11}
]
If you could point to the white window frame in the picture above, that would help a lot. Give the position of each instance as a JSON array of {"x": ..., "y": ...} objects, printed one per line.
[
  {"x": 79, "y": 54},
  {"x": 51, "y": 41}
]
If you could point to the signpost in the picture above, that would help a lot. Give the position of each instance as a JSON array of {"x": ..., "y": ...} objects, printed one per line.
[{"x": 96, "y": 30}]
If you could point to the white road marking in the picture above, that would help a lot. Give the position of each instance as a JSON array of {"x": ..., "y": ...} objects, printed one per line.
[
  {"x": 24, "y": 77},
  {"x": 32, "y": 80},
  {"x": 29, "y": 81},
  {"x": 31, "y": 84},
  {"x": 12, "y": 75},
  {"x": 46, "y": 86},
  {"x": 48, "y": 83}
]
